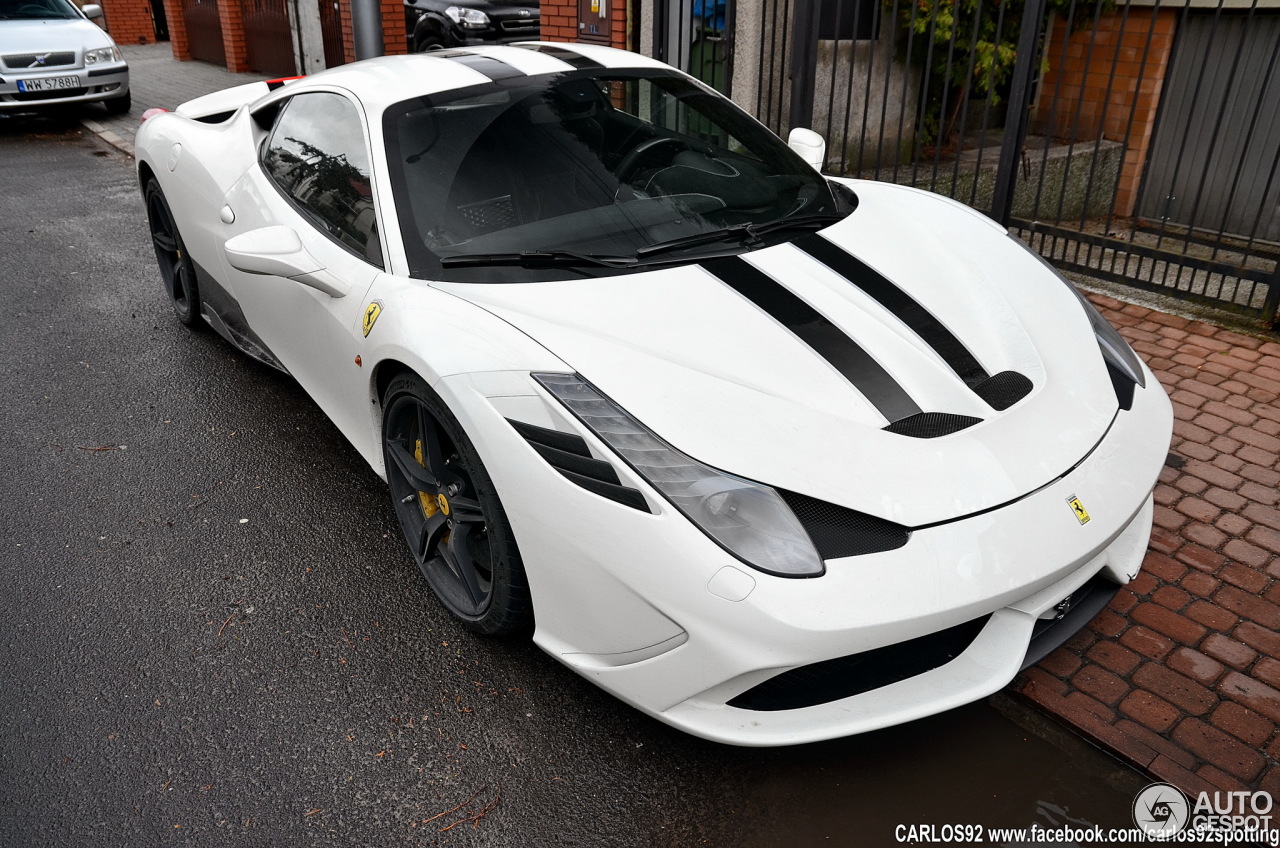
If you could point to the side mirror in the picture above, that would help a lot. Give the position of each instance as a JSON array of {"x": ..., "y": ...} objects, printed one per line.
[
  {"x": 91, "y": 11},
  {"x": 809, "y": 145},
  {"x": 277, "y": 251}
]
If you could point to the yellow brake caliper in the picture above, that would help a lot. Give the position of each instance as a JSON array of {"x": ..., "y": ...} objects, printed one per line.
[{"x": 427, "y": 501}]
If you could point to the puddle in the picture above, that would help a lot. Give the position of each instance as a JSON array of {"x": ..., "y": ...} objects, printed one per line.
[{"x": 972, "y": 767}]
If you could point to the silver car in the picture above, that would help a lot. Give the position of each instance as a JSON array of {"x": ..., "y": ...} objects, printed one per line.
[{"x": 51, "y": 53}]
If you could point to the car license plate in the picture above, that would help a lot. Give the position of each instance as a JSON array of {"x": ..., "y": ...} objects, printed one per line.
[{"x": 48, "y": 84}]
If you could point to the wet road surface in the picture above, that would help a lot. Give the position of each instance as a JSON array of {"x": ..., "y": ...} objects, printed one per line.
[{"x": 212, "y": 633}]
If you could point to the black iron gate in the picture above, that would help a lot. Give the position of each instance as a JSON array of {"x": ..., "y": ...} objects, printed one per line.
[
  {"x": 204, "y": 31},
  {"x": 1073, "y": 122},
  {"x": 697, "y": 37},
  {"x": 268, "y": 38}
]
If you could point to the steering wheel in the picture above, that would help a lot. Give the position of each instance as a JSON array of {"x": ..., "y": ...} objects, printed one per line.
[{"x": 630, "y": 163}]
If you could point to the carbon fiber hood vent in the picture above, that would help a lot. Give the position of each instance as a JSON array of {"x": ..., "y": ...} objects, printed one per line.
[
  {"x": 838, "y": 532},
  {"x": 931, "y": 425}
]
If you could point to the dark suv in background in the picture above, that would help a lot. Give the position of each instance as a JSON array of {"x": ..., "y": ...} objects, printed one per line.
[{"x": 438, "y": 24}]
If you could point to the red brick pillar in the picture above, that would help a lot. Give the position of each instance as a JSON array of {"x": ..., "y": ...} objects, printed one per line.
[
  {"x": 1099, "y": 84},
  {"x": 348, "y": 31},
  {"x": 178, "y": 41},
  {"x": 231, "y": 16},
  {"x": 395, "y": 41},
  {"x": 129, "y": 21}
]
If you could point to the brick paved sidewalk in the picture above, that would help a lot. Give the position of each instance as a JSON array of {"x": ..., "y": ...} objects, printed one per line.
[{"x": 1181, "y": 675}]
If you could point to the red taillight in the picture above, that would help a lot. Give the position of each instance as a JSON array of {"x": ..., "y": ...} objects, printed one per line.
[{"x": 151, "y": 113}]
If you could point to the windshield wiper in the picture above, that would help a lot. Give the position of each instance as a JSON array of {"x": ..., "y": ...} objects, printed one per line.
[
  {"x": 747, "y": 234},
  {"x": 536, "y": 258}
]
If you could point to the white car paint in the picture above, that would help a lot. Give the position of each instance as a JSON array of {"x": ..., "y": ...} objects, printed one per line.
[{"x": 646, "y": 605}]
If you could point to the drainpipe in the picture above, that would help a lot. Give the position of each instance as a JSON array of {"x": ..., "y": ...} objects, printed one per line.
[{"x": 366, "y": 20}]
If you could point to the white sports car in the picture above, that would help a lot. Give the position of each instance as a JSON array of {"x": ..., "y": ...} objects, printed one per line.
[{"x": 772, "y": 457}]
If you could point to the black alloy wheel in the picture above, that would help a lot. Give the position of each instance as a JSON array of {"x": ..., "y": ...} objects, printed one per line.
[
  {"x": 176, "y": 269},
  {"x": 450, "y": 513}
]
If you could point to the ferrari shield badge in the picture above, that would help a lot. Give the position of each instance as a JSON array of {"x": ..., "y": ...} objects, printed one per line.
[
  {"x": 371, "y": 313},
  {"x": 1082, "y": 514}
]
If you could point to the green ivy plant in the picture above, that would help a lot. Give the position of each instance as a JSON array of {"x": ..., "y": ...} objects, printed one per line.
[{"x": 982, "y": 46}]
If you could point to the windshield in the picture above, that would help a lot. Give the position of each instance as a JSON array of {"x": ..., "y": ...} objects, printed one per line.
[
  {"x": 36, "y": 10},
  {"x": 632, "y": 167}
]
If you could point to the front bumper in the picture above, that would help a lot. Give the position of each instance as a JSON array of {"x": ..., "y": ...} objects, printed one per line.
[
  {"x": 93, "y": 84},
  {"x": 646, "y": 606}
]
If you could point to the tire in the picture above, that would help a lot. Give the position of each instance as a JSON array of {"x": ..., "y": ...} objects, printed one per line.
[
  {"x": 176, "y": 268},
  {"x": 428, "y": 41},
  {"x": 119, "y": 105},
  {"x": 450, "y": 513}
]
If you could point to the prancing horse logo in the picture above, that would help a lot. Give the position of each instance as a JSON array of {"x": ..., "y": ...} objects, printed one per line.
[{"x": 371, "y": 313}]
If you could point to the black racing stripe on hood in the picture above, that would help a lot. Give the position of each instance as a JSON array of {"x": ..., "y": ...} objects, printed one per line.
[
  {"x": 564, "y": 54},
  {"x": 827, "y": 340},
  {"x": 494, "y": 69},
  {"x": 921, "y": 321}
]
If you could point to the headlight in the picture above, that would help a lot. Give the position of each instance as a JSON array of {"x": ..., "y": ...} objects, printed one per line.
[
  {"x": 748, "y": 519},
  {"x": 471, "y": 18},
  {"x": 103, "y": 54},
  {"x": 1115, "y": 350}
]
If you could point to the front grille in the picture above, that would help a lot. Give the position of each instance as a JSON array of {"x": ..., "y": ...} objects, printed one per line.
[
  {"x": 931, "y": 425},
  {"x": 839, "y": 532},
  {"x": 568, "y": 453},
  {"x": 24, "y": 61},
  {"x": 49, "y": 95},
  {"x": 521, "y": 24},
  {"x": 844, "y": 677}
]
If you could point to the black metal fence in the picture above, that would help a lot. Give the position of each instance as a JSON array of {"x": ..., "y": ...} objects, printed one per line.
[{"x": 1135, "y": 141}]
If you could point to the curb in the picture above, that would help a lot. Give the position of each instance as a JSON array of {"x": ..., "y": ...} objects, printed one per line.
[{"x": 109, "y": 136}]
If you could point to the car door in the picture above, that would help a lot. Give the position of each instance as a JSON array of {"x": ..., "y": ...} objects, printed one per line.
[{"x": 313, "y": 176}]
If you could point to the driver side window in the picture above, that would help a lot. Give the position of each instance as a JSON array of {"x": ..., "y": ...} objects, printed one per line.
[{"x": 316, "y": 156}]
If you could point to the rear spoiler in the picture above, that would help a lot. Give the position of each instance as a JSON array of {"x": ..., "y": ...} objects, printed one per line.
[{"x": 226, "y": 102}]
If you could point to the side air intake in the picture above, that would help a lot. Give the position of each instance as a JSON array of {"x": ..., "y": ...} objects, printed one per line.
[{"x": 570, "y": 455}]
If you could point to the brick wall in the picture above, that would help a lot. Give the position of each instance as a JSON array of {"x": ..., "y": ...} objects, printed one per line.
[
  {"x": 1108, "y": 82},
  {"x": 395, "y": 40},
  {"x": 129, "y": 21},
  {"x": 231, "y": 15},
  {"x": 559, "y": 21},
  {"x": 178, "y": 40}
]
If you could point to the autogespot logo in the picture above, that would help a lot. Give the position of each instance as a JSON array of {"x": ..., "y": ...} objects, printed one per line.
[{"x": 1161, "y": 810}]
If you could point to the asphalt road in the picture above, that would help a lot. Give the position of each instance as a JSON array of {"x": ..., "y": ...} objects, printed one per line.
[{"x": 211, "y": 632}]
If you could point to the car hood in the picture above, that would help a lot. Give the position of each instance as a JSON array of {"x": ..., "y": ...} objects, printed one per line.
[
  {"x": 50, "y": 35},
  {"x": 726, "y": 382}
]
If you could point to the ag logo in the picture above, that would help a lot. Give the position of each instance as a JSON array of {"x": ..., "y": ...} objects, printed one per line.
[
  {"x": 1082, "y": 514},
  {"x": 371, "y": 313},
  {"x": 1161, "y": 810}
]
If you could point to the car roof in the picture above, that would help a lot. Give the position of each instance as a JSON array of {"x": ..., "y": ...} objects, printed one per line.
[{"x": 385, "y": 80}]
